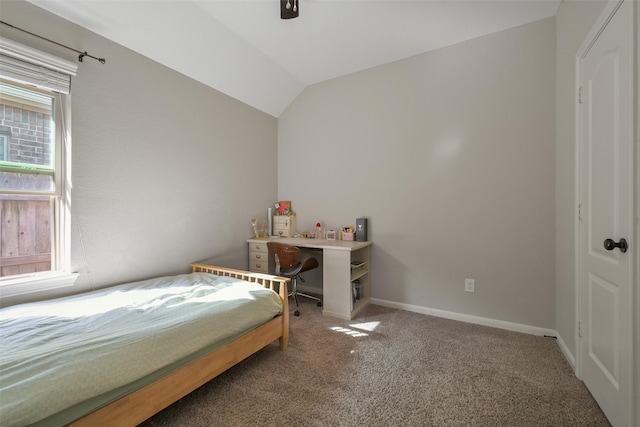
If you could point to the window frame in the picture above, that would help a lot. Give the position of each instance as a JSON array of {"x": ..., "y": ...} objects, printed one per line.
[
  {"x": 4, "y": 146},
  {"x": 60, "y": 273}
]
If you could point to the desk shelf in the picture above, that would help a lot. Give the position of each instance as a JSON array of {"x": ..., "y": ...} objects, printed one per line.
[
  {"x": 358, "y": 274},
  {"x": 361, "y": 260}
]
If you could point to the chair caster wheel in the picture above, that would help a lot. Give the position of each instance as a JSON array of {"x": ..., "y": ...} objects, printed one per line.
[
  {"x": 319, "y": 304},
  {"x": 296, "y": 313}
]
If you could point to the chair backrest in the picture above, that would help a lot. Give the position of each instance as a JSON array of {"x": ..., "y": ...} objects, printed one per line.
[{"x": 288, "y": 256}]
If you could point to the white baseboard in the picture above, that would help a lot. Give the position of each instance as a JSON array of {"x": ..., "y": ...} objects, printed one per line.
[
  {"x": 567, "y": 353},
  {"x": 485, "y": 321}
]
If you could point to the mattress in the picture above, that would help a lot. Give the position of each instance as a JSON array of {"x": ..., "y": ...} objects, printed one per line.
[{"x": 61, "y": 359}]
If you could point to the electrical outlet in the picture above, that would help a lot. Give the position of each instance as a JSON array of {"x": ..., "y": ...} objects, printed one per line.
[{"x": 469, "y": 285}]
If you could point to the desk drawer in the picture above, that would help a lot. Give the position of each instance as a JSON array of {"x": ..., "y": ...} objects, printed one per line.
[
  {"x": 259, "y": 266},
  {"x": 258, "y": 247},
  {"x": 258, "y": 256}
]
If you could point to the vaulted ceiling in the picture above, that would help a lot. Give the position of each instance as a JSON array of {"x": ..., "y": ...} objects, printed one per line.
[{"x": 243, "y": 49}]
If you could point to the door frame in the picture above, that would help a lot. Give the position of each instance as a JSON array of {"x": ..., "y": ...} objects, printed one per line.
[
  {"x": 598, "y": 26},
  {"x": 636, "y": 171}
]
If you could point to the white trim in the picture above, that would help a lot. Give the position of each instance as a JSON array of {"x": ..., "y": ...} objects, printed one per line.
[
  {"x": 567, "y": 353},
  {"x": 636, "y": 273},
  {"x": 36, "y": 282},
  {"x": 62, "y": 203},
  {"x": 577, "y": 266},
  {"x": 485, "y": 321}
]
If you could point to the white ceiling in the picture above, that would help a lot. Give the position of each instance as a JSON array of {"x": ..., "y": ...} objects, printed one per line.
[{"x": 243, "y": 49}]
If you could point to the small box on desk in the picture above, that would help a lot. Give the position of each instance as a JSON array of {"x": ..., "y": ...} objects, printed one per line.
[
  {"x": 284, "y": 225},
  {"x": 347, "y": 235}
]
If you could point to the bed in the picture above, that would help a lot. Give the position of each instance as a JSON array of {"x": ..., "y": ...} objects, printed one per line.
[{"x": 117, "y": 356}]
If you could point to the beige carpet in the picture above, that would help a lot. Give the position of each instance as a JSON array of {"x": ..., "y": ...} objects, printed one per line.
[{"x": 393, "y": 368}]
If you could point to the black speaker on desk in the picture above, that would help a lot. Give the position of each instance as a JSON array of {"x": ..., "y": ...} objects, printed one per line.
[{"x": 361, "y": 229}]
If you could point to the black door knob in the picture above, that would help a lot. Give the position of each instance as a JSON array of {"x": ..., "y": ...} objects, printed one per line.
[{"x": 610, "y": 245}]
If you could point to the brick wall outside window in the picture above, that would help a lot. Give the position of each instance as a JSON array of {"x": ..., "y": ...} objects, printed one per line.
[{"x": 30, "y": 135}]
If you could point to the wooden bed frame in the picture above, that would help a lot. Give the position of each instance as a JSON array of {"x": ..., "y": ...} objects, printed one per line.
[{"x": 140, "y": 405}]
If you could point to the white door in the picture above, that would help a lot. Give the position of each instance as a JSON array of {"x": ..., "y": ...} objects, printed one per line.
[{"x": 606, "y": 186}]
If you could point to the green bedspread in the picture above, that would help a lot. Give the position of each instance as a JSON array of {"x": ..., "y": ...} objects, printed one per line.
[{"x": 63, "y": 358}]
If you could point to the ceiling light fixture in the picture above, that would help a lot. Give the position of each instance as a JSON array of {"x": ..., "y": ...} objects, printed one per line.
[{"x": 289, "y": 9}]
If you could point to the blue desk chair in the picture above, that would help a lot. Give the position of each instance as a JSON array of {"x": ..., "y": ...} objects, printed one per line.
[{"x": 289, "y": 263}]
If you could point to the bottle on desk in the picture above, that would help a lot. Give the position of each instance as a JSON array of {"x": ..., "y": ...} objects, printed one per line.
[{"x": 319, "y": 234}]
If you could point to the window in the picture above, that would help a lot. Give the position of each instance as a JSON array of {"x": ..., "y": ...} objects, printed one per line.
[
  {"x": 34, "y": 160},
  {"x": 27, "y": 180},
  {"x": 4, "y": 146}
]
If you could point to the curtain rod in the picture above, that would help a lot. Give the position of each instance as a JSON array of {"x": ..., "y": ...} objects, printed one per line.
[{"x": 81, "y": 54}]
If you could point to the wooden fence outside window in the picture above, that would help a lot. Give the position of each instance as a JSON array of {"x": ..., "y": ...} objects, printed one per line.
[{"x": 25, "y": 234}]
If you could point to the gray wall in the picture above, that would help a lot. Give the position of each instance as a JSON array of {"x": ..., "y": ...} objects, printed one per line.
[
  {"x": 451, "y": 155},
  {"x": 573, "y": 21},
  {"x": 165, "y": 171}
]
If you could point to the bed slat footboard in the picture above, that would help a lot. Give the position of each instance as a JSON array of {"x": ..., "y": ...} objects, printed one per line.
[{"x": 266, "y": 280}]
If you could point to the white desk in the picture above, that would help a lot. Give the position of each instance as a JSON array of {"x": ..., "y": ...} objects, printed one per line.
[{"x": 337, "y": 276}]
